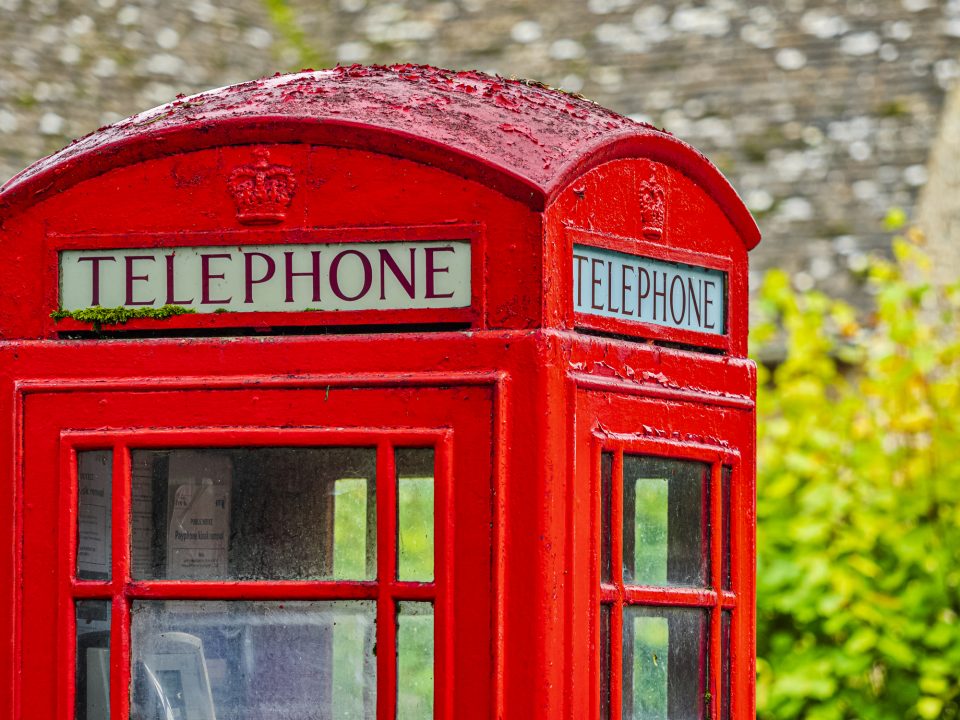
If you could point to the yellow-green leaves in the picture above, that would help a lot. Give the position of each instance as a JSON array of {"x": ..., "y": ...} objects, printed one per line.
[{"x": 859, "y": 498}]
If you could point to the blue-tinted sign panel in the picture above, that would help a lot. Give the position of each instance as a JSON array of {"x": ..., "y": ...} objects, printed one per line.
[{"x": 640, "y": 289}]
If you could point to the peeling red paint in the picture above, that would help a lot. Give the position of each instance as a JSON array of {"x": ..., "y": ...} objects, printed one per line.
[{"x": 453, "y": 114}]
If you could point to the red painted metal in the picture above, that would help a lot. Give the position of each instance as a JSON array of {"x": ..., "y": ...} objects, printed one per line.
[{"x": 518, "y": 394}]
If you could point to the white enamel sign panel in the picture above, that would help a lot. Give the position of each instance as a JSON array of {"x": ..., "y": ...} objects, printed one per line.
[
  {"x": 628, "y": 287},
  {"x": 271, "y": 278}
]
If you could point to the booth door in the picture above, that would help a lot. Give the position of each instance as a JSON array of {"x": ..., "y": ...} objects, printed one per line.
[
  {"x": 256, "y": 554},
  {"x": 672, "y": 496}
]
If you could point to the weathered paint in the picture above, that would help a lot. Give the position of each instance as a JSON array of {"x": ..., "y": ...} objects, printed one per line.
[{"x": 519, "y": 398}]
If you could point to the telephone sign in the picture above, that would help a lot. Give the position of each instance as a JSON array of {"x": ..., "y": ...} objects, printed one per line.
[
  {"x": 380, "y": 392},
  {"x": 280, "y": 278},
  {"x": 613, "y": 284}
]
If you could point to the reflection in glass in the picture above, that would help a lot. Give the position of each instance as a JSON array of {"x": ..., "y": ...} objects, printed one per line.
[
  {"x": 725, "y": 621},
  {"x": 606, "y": 519},
  {"x": 92, "y": 695},
  {"x": 246, "y": 660},
  {"x": 415, "y": 661},
  {"x": 664, "y": 663},
  {"x": 415, "y": 498},
  {"x": 94, "y": 483},
  {"x": 727, "y": 519},
  {"x": 664, "y": 521},
  {"x": 604, "y": 662},
  {"x": 271, "y": 513}
]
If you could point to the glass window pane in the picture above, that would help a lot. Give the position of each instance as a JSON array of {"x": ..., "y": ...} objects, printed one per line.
[
  {"x": 94, "y": 483},
  {"x": 664, "y": 663},
  {"x": 269, "y": 513},
  {"x": 415, "y": 498},
  {"x": 727, "y": 518},
  {"x": 251, "y": 660},
  {"x": 93, "y": 660},
  {"x": 415, "y": 661},
  {"x": 664, "y": 521},
  {"x": 606, "y": 522},
  {"x": 725, "y": 622},
  {"x": 604, "y": 662}
]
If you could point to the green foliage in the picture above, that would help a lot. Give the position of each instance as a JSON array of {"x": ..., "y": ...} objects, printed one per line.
[
  {"x": 100, "y": 316},
  {"x": 859, "y": 501},
  {"x": 292, "y": 35}
]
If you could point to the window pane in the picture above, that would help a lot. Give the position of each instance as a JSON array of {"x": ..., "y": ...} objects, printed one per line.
[
  {"x": 727, "y": 518},
  {"x": 415, "y": 661},
  {"x": 93, "y": 660},
  {"x": 246, "y": 660},
  {"x": 254, "y": 514},
  {"x": 415, "y": 514},
  {"x": 664, "y": 663},
  {"x": 604, "y": 662},
  {"x": 664, "y": 521},
  {"x": 94, "y": 482},
  {"x": 606, "y": 522},
  {"x": 725, "y": 621}
]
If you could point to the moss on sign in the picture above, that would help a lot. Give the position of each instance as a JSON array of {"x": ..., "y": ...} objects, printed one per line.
[{"x": 99, "y": 316}]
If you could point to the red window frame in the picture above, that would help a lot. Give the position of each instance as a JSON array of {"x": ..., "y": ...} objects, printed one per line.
[
  {"x": 386, "y": 590},
  {"x": 720, "y": 517}
]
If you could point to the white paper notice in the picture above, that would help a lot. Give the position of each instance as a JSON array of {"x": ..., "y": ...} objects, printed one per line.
[
  {"x": 141, "y": 502},
  {"x": 94, "y": 481},
  {"x": 198, "y": 534}
]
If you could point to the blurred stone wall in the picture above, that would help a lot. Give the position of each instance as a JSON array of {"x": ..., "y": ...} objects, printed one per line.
[{"x": 822, "y": 113}]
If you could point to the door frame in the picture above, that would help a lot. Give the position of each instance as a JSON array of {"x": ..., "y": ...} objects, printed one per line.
[{"x": 438, "y": 433}]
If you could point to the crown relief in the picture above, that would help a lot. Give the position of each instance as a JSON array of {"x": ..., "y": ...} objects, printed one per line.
[
  {"x": 653, "y": 209},
  {"x": 261, "y": 190}
]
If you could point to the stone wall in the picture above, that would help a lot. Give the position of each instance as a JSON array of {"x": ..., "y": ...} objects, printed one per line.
[{"x": 822, "y": 113}]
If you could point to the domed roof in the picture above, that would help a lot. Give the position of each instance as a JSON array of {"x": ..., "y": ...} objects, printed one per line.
[{"x": 525, "y": 139}]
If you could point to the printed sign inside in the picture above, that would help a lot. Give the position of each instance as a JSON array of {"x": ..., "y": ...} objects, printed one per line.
[
  {"x": 633, "y": 288},
  {"x": 271, "y": 278}
]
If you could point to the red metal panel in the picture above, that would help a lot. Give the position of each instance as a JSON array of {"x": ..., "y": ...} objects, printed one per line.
[{"x": 604, "y": 208}]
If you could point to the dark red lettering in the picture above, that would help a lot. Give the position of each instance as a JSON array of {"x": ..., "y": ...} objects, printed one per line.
[
  {"x": 314, "y": 272},
  {"x": 707, "y": 302},
  {"x": 95, "y": 275},
  {"x": 579, "y": 259},
  {"x": 673, "y": 305},
  {"x": 432, "y": 270},
  {"x": 594, "y": 283},
  {"x": 248, "y": 280},
  {"x": 409, "y": 284},
  {"x": 131, "y": 278},
  {"x": 610, "y": 306},
  {"x": 335, "y": 275},
  {"x": 171, "y": 277},
  {"x": 625, "y": 287},
  {"x": 694, "y": 300},
  {"x": 659, "y": 294},
  {"x": 643, "y": 289},
  {"x": 206, "y": 276}
]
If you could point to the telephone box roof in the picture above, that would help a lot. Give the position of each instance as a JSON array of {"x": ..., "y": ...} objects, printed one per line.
[{"x": 521, "y": 137}]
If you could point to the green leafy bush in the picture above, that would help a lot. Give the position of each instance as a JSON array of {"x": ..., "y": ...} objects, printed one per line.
[{"x": 859, "y": 500}]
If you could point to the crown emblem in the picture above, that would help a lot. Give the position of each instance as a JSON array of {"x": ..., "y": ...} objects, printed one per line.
[
  {"x": 262, "y": 191},
  {"x": 653, "y": 209}
]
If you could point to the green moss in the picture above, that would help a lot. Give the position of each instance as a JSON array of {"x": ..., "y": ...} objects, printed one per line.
[{"x": 100, "y": 316}]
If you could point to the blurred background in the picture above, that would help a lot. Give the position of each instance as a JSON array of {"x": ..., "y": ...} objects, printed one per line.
[{"x": 838, "y": 123}]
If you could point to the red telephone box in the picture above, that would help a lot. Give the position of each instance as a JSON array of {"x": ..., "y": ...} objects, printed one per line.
[{"x": 376, "y": 393}]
